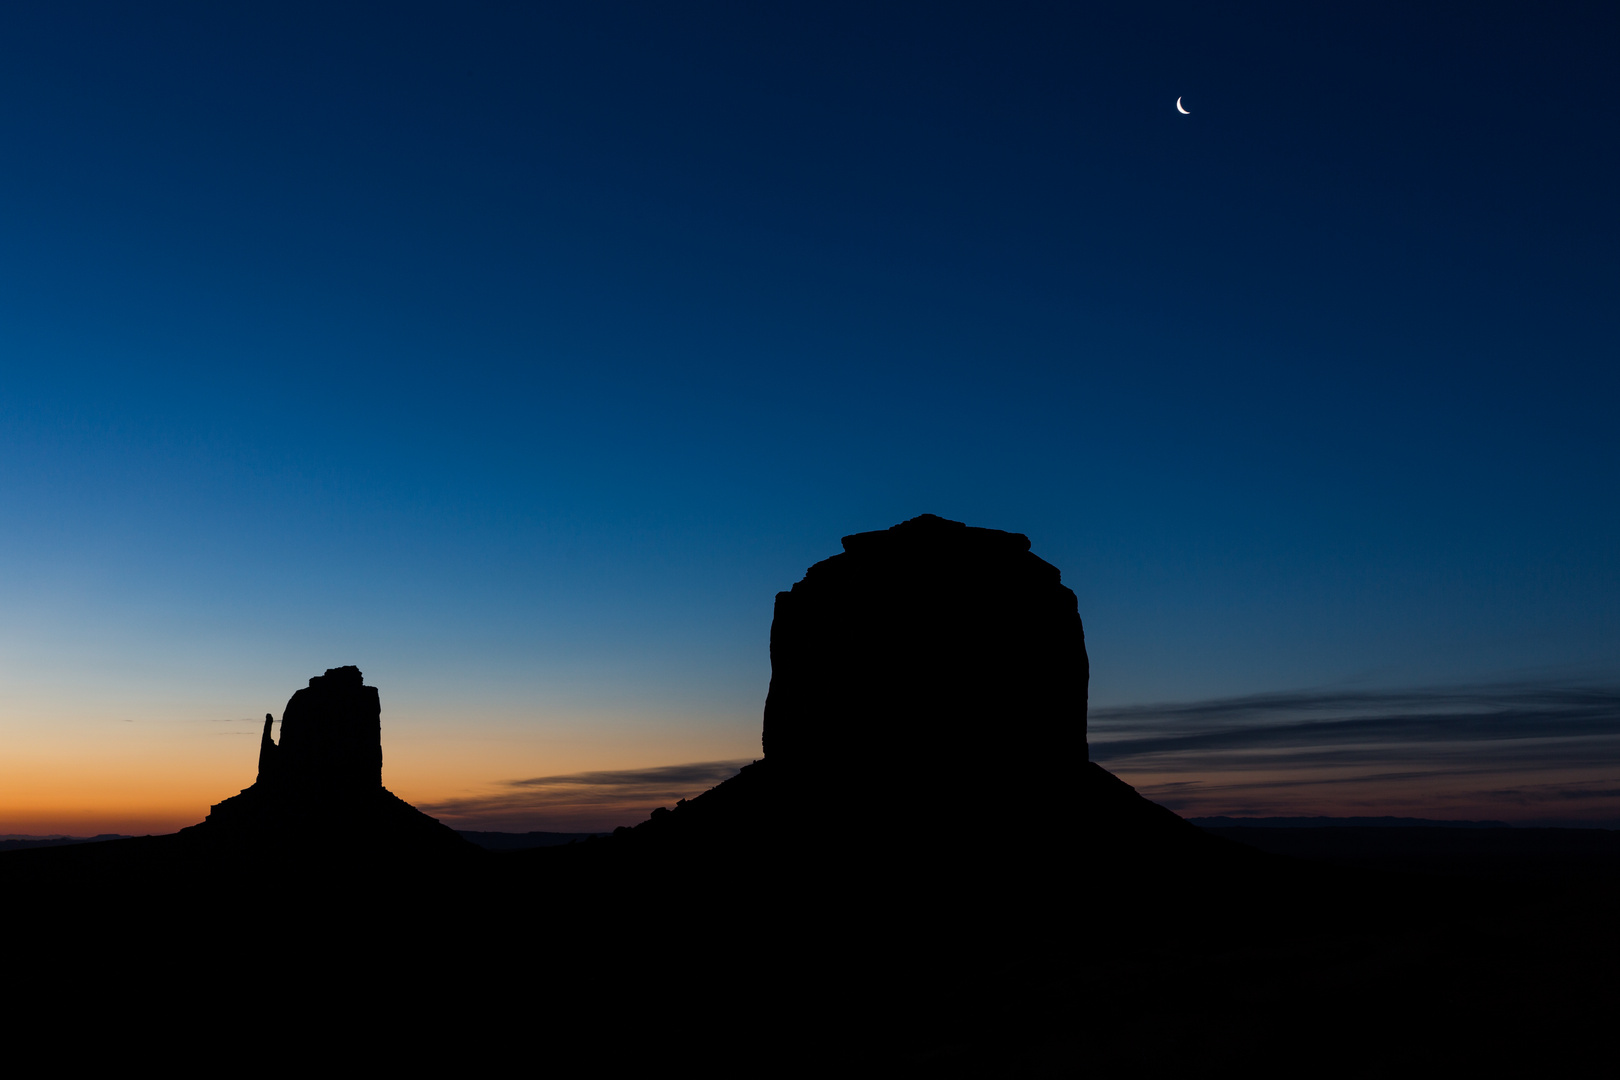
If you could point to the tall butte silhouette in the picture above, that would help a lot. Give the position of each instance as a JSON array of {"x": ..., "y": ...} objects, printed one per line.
[
  {"x": 928, "y": 691},
  {"x": 930, "y": 657},
  {"x": 322, "y": 784}
]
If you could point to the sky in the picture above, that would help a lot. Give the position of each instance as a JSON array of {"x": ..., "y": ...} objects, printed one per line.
[{"x": 520, "y": 353}]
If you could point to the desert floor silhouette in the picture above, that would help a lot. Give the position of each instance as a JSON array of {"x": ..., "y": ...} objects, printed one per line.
[{"x": 809, "y": 914}]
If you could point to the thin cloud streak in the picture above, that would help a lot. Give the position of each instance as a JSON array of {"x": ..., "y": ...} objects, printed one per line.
[
  {"x": 704, "y": 772},
  {"x": 1530, "y": 752}
]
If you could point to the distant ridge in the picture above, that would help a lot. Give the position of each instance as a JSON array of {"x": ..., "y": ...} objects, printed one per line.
[
  {"x": 21, "y": 843},
  {"x": 1340, "y": 823},
  {"x": 512, "y": 841}
]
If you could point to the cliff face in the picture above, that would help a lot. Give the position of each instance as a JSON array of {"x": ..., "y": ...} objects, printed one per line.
[{"x": 931, "y": 662}]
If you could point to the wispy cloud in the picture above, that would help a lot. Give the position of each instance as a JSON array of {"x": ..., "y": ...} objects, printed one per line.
[
  {"x": 1506, "y": 750},
  {"x": 662, "y": 777},
  {"x": 583, "y": 801}
]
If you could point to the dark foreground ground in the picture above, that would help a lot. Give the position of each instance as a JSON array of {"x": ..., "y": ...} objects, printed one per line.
[{"x": 1362, "y": 953}]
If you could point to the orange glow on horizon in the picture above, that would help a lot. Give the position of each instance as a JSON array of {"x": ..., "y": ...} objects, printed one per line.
[{"x": 88, "y": 776}]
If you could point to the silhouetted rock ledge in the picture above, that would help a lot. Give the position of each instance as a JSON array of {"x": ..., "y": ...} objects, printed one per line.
[{"x": 321, "y": 786}]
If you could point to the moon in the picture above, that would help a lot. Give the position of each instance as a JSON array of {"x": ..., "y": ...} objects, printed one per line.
[{"x": 1180, "y": 110}]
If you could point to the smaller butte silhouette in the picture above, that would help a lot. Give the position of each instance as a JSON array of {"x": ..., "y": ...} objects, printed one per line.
[{"x": 323, "y": 781}]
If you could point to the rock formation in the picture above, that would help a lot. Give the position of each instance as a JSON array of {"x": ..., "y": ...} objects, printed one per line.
[
  {"x": 930, "y": 664},
  {"x": 323, "y": 781},
  {"x": 927, "y": 700},
  {"x": 331, "y": 736}
]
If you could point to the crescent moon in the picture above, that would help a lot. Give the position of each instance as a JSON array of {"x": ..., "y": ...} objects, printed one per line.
[{"x": 1180, "y": 110}]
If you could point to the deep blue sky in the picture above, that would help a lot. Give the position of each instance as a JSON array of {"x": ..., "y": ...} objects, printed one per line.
[{"x": 520, "y": 353}]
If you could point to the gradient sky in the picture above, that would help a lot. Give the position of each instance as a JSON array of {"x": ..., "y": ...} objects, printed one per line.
[{"x": 520, "y": 353}]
